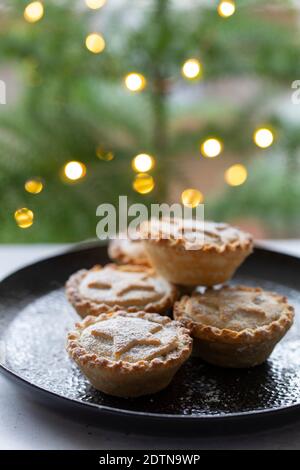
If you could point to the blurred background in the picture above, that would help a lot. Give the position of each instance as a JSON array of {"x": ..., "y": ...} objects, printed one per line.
[{"x": 160, "y": 100}]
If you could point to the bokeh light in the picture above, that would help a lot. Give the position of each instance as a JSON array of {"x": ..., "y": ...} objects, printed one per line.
[
  {"x": 236, "y": 175},
  {"x": 95, "y": 4},
  {"x": 24, "y": 217},
  {"x": 191, "y": 69},
  {"x": 143, "y": 183},
  {"x": 74, "y": 170},
  {"x": 135, "y": 81},
  {"x": 103, "y": 154},
  {"x": 95, "y": 43},
  {"x": 226, "y": 8},
  {"x": 211, "y": 147},
  {"x": 263, "y": 137},
  {"x": 142, "y": 163},
  {"x": 34, "y": 186},
  {"x": 33, "y": 12},
  {"x": 191, "y": 197}
]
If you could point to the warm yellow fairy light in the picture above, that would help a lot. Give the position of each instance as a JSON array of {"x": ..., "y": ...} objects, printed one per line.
[
  {"x": 74, "y": 170},
  {"x": 34, "y": 186},
  {"x": 95, "y": 4},
  {"x": 191, "y": 197},
  {"x": 33, "y": 12},
  {"x": 211, "y": 147},
  {"x": 24, "y": 217},
  {"x": 191, "y": 69},
  {"x": 103, "y": 155},
  {"x": 236, "y": 175},
  {"x": 142, "y": 163},
  {"x": 95, "y": 43},
  {"x": 263, "y": 137},
  {"x": 135, "y": 81},
  {"x": 226, "y": 8},
  {"x": 143, "y": 183}
]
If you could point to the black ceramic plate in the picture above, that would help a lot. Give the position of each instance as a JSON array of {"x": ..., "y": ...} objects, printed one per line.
[{"x": 35, "y": 316}]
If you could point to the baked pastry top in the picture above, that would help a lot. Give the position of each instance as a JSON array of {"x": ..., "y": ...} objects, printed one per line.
[
  {"x": 236, "y": 309},
  {"x": 195, "y": 234},
  {"x": 128, "y": 251},
  {"x": 235, "y": 326},
  {"x": 128, "y": 339},
  {"x": 119, "y": 287}
]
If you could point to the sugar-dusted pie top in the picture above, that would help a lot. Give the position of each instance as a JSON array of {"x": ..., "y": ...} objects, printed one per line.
[
  {"x": 130, "y": 337},
  {"x": 123, "y": 285},
  {"x": 234, "y": 308},
  {"x": 128, "y": 251},
  {"x": 194, "y": 234}
]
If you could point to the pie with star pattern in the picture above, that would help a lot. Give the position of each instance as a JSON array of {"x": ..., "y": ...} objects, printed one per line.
[
  {"x": 129, "y": 354},
  {"x": 112, "y": 287}
]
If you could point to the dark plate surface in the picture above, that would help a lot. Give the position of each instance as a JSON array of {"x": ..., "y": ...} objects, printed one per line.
[{"x": 35, "y": 316}]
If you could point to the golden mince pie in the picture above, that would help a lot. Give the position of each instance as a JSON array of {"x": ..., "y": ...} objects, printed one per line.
[
  {"x": 128, "y": 251},
  {"x": 191, "y": 253},
  {"x": 129, "y": 354},
  {"x": 235, "y": 326},
  {"x": 125, "y": 287}
]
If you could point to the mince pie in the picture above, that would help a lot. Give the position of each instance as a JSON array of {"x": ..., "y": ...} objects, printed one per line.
[
  {"x": 235, "y": 326},
  {"x": 191, "y": 253},
  {"x": 125, "y": 287},
  {"x": 128, "y": 251},
  {"x": 129, "y": 354}
]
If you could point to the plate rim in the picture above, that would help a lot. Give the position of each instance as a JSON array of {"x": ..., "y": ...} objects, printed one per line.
[{"x": 285, "y": 409}]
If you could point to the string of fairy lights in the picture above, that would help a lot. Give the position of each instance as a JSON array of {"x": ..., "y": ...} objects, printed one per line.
[{"x": 143, "y": 163}]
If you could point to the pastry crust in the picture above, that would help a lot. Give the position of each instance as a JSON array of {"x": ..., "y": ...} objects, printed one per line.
[
  {"x": 89, "y": 306},
  {"x": 212, "y": 259},
  {"x": 213, "y": 236},
  {"x": 128, "y": 252},
  {"x": 241, "y": 346},
  {"x": 132, "y": 377}
]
